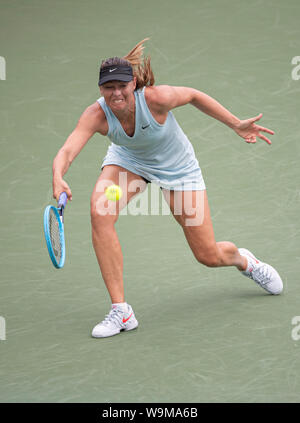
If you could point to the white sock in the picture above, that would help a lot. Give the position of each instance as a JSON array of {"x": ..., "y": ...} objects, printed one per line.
[{"x": 122, "y": 306}]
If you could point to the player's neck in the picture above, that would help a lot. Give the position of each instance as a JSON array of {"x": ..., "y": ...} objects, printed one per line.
[{"x": 128, "y": 113}]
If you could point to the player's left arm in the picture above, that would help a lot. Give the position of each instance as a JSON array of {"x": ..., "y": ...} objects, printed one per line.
[{"x": 169, "y": 97}]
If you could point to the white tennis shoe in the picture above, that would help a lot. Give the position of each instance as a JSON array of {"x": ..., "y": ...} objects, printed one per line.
[
  {"x": 262, "y": 273},
  {"x": 116, "y": 321}
]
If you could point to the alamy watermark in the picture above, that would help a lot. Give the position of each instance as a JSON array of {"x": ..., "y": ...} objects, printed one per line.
[
  {"x": 296, "y": 69},
  {"x": 2, "y": 329},
  {"x": 296, "y": 330},
  {"x": 187, "y": 203},
  {"x": 2, "y": 68}
]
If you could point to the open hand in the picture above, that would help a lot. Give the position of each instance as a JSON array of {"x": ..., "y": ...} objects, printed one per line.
[{"x": 248, "y": 130}]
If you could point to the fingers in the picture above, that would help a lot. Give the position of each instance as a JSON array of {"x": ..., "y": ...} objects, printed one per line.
[
  {"x": 269, "y": 131},
  {"x": 69, "y": 193},
  {"x": 264, "y": 138},
  {"x": 255, "y": 119},
  {"x": 261, "y": 128},
  {"x": 56, "y": 196},
  {"x": 252, "y": 140},
  {"x": 57, "y": 193}
]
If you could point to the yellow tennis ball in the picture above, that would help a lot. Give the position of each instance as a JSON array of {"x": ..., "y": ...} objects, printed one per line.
[{"x": 113, "y": 192}]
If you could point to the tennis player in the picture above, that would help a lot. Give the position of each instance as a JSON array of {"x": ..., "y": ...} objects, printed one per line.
[{"x": 148, "y": 145}]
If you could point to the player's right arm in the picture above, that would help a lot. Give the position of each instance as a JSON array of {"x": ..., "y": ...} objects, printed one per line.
[{"x": 91, "y": 121}]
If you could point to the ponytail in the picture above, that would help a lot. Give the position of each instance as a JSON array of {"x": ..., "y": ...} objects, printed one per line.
[{"x": 141, "y": 66}]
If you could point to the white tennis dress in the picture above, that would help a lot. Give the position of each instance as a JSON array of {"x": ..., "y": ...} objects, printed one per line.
[{"x": 159, "y": 153}]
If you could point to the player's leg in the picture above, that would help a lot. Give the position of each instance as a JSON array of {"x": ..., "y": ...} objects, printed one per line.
[
  {"x": 191, "y": 210},
  {"x": 104, "y": 215}
]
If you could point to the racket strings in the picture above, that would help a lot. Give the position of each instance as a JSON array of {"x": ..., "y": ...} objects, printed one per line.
[{"x": 54, "y": 235}]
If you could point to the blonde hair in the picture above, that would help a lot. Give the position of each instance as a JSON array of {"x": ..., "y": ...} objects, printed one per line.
[{"x": 141, "y": 66}]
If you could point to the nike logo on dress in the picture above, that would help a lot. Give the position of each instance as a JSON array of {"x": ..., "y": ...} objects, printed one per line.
[
  {"x": 111, "y": 70},
  {"x": 144, "y": 127},
  {"x": 125, "y": 320}
]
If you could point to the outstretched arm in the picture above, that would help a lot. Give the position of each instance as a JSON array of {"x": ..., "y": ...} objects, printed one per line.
[
  {"x": 170, "y": 97},
  {"x": 91, "y": 121},
  {"x": 246, "y": 129}
]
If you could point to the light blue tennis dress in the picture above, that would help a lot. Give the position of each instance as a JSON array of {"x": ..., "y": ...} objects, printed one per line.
[{"x": 159, "y": 153}]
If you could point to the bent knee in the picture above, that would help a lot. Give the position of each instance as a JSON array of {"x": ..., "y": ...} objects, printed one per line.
[{"x": 103, "y": 212}]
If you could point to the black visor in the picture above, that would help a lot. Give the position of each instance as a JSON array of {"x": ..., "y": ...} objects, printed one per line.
[{"x": 115, "y": 73}]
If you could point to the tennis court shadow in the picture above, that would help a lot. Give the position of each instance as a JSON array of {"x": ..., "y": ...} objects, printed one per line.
[
  {"x": 211, "y": 302},
  {"x": 251, "y": 294},
  {"x": 117, "y": 336},
  {"x": 219, "y": 296}
]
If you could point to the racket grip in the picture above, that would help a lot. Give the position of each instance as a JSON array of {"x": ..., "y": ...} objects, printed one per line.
[{"x": 62, "y": 201}]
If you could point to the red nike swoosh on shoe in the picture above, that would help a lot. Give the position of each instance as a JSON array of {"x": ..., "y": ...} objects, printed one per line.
[
  {"x": 125, "y": 320},
  {"x": 254, "y": 258},
  {"x": 257, "y": 261}
]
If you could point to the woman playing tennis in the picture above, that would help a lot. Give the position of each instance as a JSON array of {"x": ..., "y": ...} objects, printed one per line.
[{"x": 148, "y": 145}]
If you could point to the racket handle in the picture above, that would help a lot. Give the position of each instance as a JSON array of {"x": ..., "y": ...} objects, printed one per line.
[{"x": 62, "y": 202}]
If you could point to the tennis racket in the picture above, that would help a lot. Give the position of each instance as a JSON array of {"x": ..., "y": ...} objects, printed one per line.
[{"x": 54, "y": 231}]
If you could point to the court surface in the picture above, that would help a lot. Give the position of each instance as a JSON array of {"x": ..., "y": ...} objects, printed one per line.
[{"x": 205, "y": 335}]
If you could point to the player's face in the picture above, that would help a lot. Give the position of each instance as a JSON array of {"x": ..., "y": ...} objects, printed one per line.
[{"x": 118, "y": 95}]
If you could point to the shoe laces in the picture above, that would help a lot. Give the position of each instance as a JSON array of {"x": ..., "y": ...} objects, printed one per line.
[
  {"x": 263, "y": 274},
  {"x": 114, "y": 316}
]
